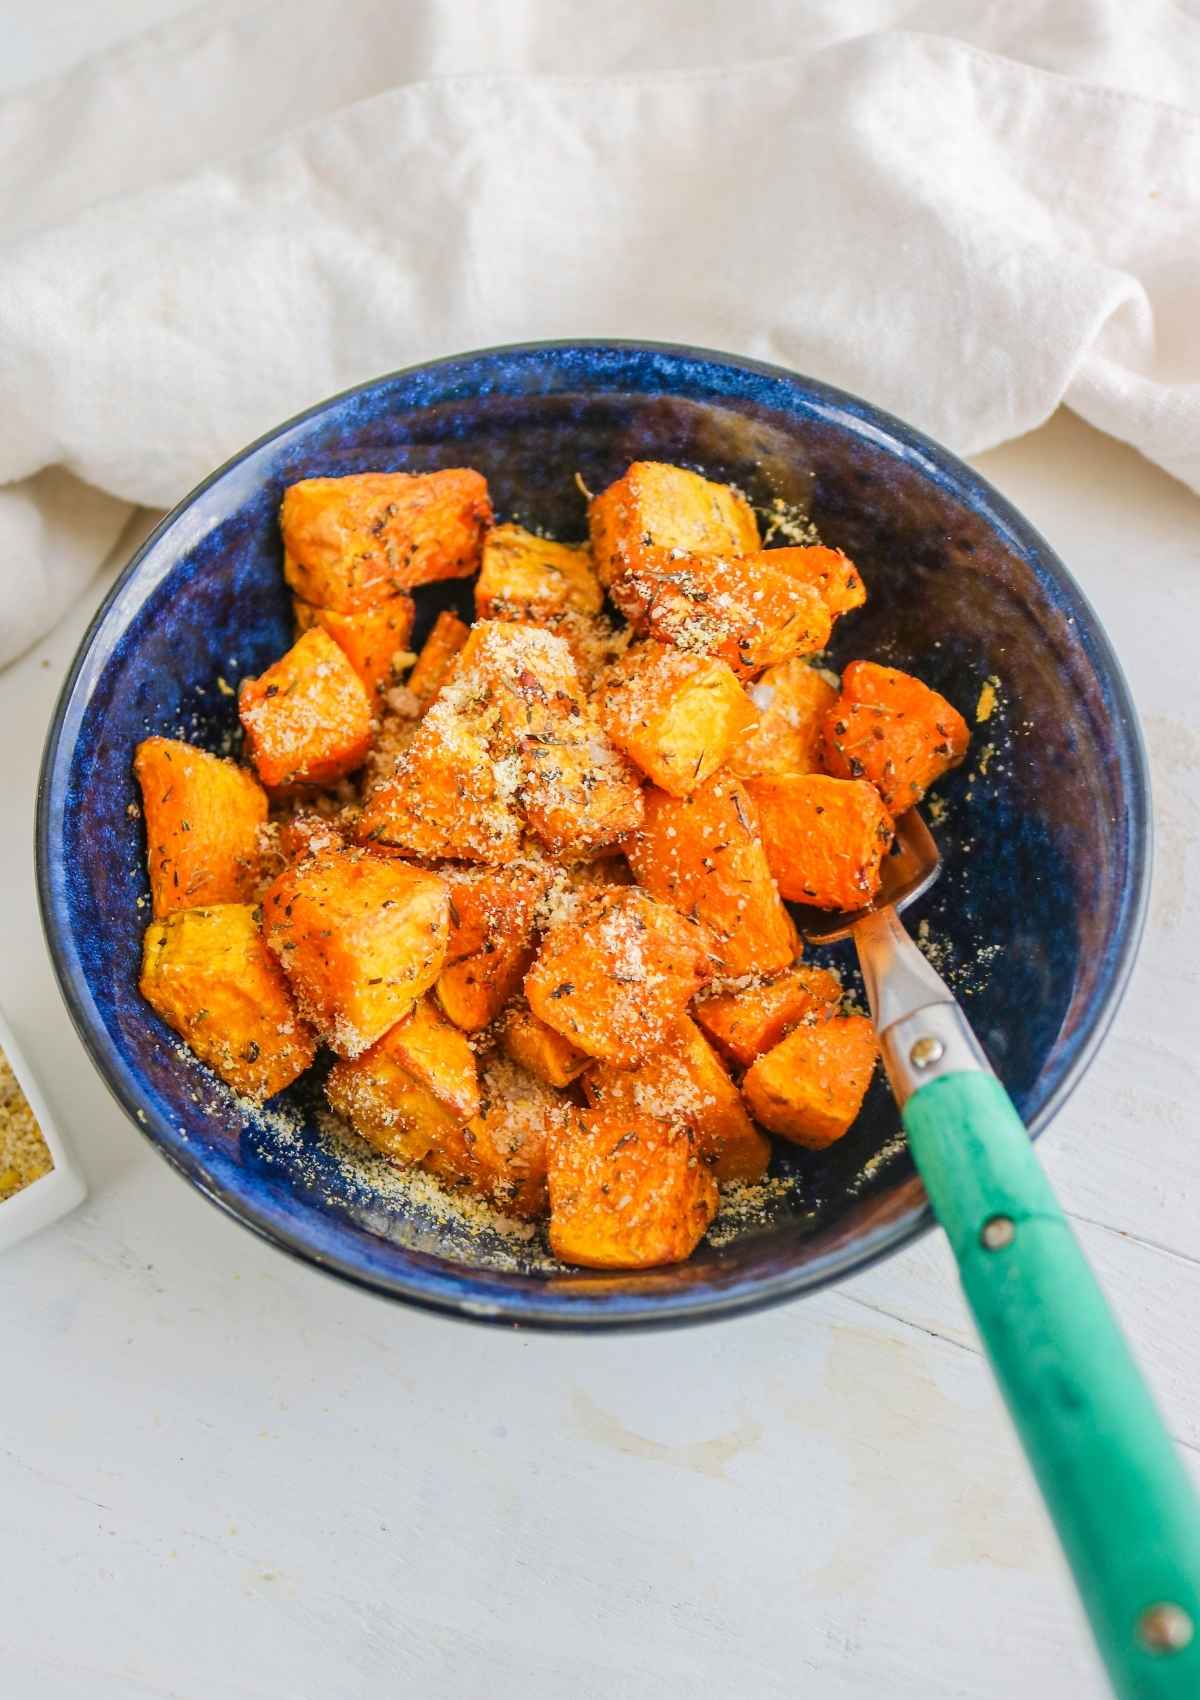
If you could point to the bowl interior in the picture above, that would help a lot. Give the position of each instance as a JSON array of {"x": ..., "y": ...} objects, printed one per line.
[{"x": 1043, "y": 830}]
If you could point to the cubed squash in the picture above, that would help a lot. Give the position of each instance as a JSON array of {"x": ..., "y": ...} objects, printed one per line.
[
  {"x": 309, "y": 830},
  {"x": 893, "y": 730},
  {"x": 374, "y": 640},
  {"x": 657, "y": 511},
  {"x": 828, "y": 571},
  {"x": 703, "y": 854},
  {"x": 526, "y": 577},
  {"x": 745, "y": 1023},
  {"x": 491, "y": 939},
  {"x": 209, "y": 976},
  {"x": 538, "y": 1048},
  {"x": 676, "y": 716},
  {"x": 360, "y": 938},
  {"x": 742, "y": 610},
  {"x": 307, "y": 719},
  {"x": 432, "y": 666},
  {"x": 415, "y": 1086},
  {"x": 616, "y": 977},
  {"x": 685, "y": 1084},
  {"x": 350, "y": 543},
  {"x": 627, "y": 1192},
  {"x": 825, "y": 838},
  {"x": 809, "y": 1088},
  {"x": 501, "y": 1153},
  {"x": 203, "y": 820},
  {"x": 790, "y": 701}
]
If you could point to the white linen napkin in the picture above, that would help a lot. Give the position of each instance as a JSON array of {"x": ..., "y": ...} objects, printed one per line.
[{"x": 968, "y": 214}]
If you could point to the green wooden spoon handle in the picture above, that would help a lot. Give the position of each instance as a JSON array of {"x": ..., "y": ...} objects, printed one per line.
[{"x": 1121, "y": 1500}]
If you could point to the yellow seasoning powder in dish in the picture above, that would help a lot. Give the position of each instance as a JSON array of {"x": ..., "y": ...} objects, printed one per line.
[{"x": 24, "y": 1155}]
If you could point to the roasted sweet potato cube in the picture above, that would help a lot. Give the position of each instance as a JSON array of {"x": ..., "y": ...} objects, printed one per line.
[
  {"x": 825, "y": 838},
  {"x": 438, "y": 653},
  {"x": 810, "y": 1087},
  {"x": 627, "y": 1193},
  {"x": 676, "y": 716},
  {"x": 491, "y": 939},
  {"x": 308, "y": 717},
  {"x": 210, "y": 977},
  {"x": 415, "y": 1087},
  {"x": 742, "y": 610},
  {"x": 309, "y": 830},
  {"x": 828, "y": 571},
  {"x": 501, "y": 1152},
  {"x": 526, "y": 577},
  {"x": 790, "y": 701},
  {"x": 893, "y": 730},
  {"x": 657, "y": 510},
  {"x": 538, "y": 1048},
  {"x": 360, "y": 938},
  {"x": 616, "y": 977},
  {"x": 684, "y": 1084},
  {"x": 703, "y": 854},
  {"x": 373, "y": 640},
  {"x": 350, "y": 543},
  {"x": 203, "y": 819},
  {"x": 745, "y": 1023}
]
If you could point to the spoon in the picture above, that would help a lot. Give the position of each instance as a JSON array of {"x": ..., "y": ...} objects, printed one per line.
[{"x": 1124, "y": 1507}]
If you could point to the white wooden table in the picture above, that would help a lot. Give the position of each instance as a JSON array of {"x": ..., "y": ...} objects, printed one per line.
[{"x": 223, "y": 1477}]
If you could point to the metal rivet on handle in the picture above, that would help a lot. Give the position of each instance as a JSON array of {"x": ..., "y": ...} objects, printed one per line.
[
  {"x": 1165, "y": 1628},
  {"x": 998, "y": 1232},
  {"x": 926, "y": 1051}
]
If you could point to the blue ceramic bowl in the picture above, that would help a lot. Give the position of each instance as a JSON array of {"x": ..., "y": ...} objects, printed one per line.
[{"x": 1044, "y": 832}]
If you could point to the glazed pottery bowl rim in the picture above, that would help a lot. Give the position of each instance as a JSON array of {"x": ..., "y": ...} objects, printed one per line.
[{"x": 529, "y": 1307}]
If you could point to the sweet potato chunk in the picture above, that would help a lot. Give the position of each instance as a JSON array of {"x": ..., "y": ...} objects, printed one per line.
[
  {"x": 538, "y": 1048},
  {"x": 501, "y": 1153},
  {"x": 810, "y": 1087},
  {"x": 790, "y": 700},
  {"x": 893, "y": 730},
  {"x": 745, "y": 1023},
  {"x": 526, "y": 577},
  {"x": 210, "y": 977},
  {"x": 703, "y": 854},
  {"x": 371, "y": 640},
  {"x": 308, "y": 717},
  {"x": 828, "y": 571},
  {"x": 350, "y": 543},
  {"x": 433, "y": 664},
  {"x": 616, "y": 977},
  {"x": 417, "y": 1084},
  {"x": 825, "y": 838},
  {"x": 202, "y": 816},
  {"x": 491, "y": 939},
  {"x": 743, "y": 611},
  {"x": 656, "y": 511},
  {"x": 360, "y": 938},
  {"x": 685, "y": 1085},
  {"x": 626, "y": 1193},
  {"x": 676, "y": 716}
]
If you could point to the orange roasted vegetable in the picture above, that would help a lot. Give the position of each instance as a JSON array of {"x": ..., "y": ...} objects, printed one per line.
[
  {"x": 350, "y": 543},
  {"x": 491, "y": 939},
  {"x": 616, "y": 977},
  {"x": 825, "y": 838},
  {"x": 371, "y": 640},
  {"x": 828, "y": 571},
  {"x": 745, "y": 1023},
  {"x": 433, "y": 664},
  {"x": 684, "y": 1084},
  {"x": 209, "y": 976},
  {"x": 676, "y": 716},
  {"x": 203, "y": 818},
  {"x": 308, "y": 717},
  {"x": 810, "y": 1087},
  {"x": 526, "y": 577},
  {"x": 415, "y": 1084},
  {"x": 538, "y": 1048},
  {"x": 742, "y": 610},
  {"x": 627, "y": 1193},
  {"x": 657, "y": 512},
  {"x": 703, "y": 854},
  {"x": 501, "y": 1152},
  {"x": 790, "y": 701},
  {"x": 360, "y": 938},
  {"x": 893, "y": 730}
]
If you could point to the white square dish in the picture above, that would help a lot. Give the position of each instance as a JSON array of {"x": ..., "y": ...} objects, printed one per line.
[{"x": 53, "y": 1194}]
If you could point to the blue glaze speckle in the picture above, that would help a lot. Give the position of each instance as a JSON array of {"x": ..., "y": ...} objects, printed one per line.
[{"x": 1037, "y": 913}]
